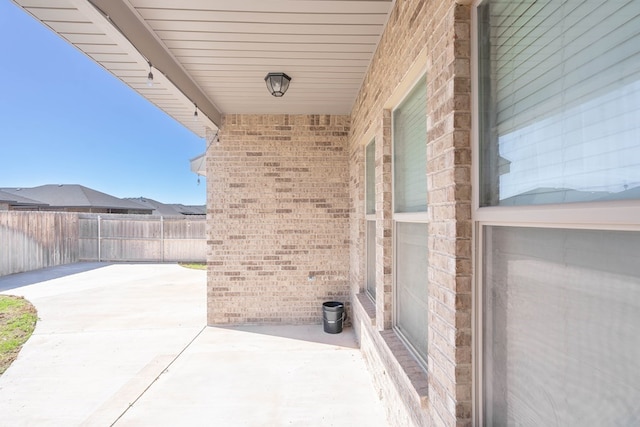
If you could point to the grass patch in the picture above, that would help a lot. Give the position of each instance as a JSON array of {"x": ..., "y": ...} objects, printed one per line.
[
  {"x": 18, "y": 319},
  {"x": 194, "y": 265}
]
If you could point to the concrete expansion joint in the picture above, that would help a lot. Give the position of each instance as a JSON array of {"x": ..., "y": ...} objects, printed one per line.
[{"x": 164, "y": 371}]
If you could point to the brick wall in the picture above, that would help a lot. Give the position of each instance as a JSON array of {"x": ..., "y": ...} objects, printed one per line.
[
  {"x": 278, "y": 208},
  {"x": 286, "y": 202},
  {"x": 431, "y": 36}
]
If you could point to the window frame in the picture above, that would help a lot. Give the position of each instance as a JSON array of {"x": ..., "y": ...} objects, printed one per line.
[
  {"x": 605, "y": 215},
  {"x": 404, "y": 217}
]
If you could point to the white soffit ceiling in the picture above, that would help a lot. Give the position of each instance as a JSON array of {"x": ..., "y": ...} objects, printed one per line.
[{"x": 218, "y": 51}]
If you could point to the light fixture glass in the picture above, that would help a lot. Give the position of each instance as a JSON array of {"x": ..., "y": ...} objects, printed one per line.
[{"x": 277, "y": 83}]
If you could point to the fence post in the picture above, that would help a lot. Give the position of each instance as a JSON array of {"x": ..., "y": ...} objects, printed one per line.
[
  {"x": 99, "y": 238},
  {"x": 162, "y": 238}
]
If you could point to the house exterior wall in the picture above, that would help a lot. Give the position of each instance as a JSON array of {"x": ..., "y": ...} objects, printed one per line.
[
  {"x": 286, "y": 203},
  {"x": 277, "y": 218},
  {"x": 431, "y": 37}
]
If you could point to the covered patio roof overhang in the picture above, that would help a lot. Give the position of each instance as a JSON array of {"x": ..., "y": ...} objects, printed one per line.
[{"x": 211, "y": 56}]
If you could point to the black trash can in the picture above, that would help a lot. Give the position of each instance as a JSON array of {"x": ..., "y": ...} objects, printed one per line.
[{"x": 333, "y": 315}]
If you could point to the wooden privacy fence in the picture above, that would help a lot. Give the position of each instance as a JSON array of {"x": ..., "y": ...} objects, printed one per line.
[
  {"x": 141, "y": 238},
  {"x": 32, "y": 240}
]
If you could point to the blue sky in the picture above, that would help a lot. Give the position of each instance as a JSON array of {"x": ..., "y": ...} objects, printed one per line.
[{"x": 65, "y": 120}]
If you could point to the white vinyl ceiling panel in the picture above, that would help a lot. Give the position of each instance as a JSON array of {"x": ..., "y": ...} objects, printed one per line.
[
  {"x": 225, "y": 48},
  {"x": 281, "y": 17},
  {"x": 269, "y": 38},
  {"x": 228, "y": 47},
  {"x": 271, "y": 6}
]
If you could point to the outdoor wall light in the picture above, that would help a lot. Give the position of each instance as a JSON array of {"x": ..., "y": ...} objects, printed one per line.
[{"x": 277, "y": 83}]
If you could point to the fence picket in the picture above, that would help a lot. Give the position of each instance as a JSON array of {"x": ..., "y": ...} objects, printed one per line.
[{"x": 32, "y": 240}]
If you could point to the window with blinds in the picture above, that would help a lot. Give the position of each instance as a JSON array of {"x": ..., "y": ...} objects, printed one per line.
[
  {"x": 559, "y": 92},
  {"x": 371, "y": 259},
  {"x": 410, "y": 152},
  {"x": 411, "y": 221},
  {"x": 411, "y": 285},
  {"x": 370, "y": 201},
  {"x": 560, "y": 327},
  {"x": 370, "y": 178}
]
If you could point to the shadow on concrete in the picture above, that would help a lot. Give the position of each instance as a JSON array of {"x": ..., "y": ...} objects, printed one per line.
[
  {"x": 19, "y": 280},
  {"x": 309, "y": 333}
]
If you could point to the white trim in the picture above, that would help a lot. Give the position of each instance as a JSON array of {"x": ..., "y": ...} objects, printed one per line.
[
  {"x": 422, "y": 217},
  {"x": 475, "y": 109},
  {"x": 369, "y": 136},
  {"x": 477, "y": 302},
  {"x": 476, "y": 233},
  {"x": 414, "y": 74},
  {"x": 618, "y": 214}
]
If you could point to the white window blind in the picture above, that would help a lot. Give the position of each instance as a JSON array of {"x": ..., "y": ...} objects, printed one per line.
[
  {"x": 410, "y": 152},
  {"x": 371, "y": 258},
  {"x": 370, "y": 178},
  {"x": 560, "y": 100},
  {"x": 411, "y": 284},
  {"x": 560, "y": 327}
]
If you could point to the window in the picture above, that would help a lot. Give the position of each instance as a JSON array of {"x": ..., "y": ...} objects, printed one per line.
[
  {"x": 558, "y": 294},
  {"x": 411, "y": 284},
  {"x": 562, "y": 309},
  {"x": 560, "y": 101},
  {"x": 410, "y": 219},
  {"x": 410, "y": 152},
  {"x": 370, "y": 201}
]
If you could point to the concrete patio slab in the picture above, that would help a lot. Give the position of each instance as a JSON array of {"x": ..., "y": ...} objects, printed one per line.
[{"x": 127, "y": 345}]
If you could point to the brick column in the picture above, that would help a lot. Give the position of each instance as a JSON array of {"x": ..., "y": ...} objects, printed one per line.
[{"x": 450, "y": 228}]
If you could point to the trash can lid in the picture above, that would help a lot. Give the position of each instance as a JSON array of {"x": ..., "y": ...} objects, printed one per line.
[{"x": 333, "y": 304}]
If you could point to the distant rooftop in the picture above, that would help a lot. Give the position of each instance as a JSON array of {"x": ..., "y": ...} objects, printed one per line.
[
  {"x": 78, "y": 198},
  {"x": 170, "y": 209},
  {"x": 73, "y": 195},
  {"x": 18, "y": 200}
]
